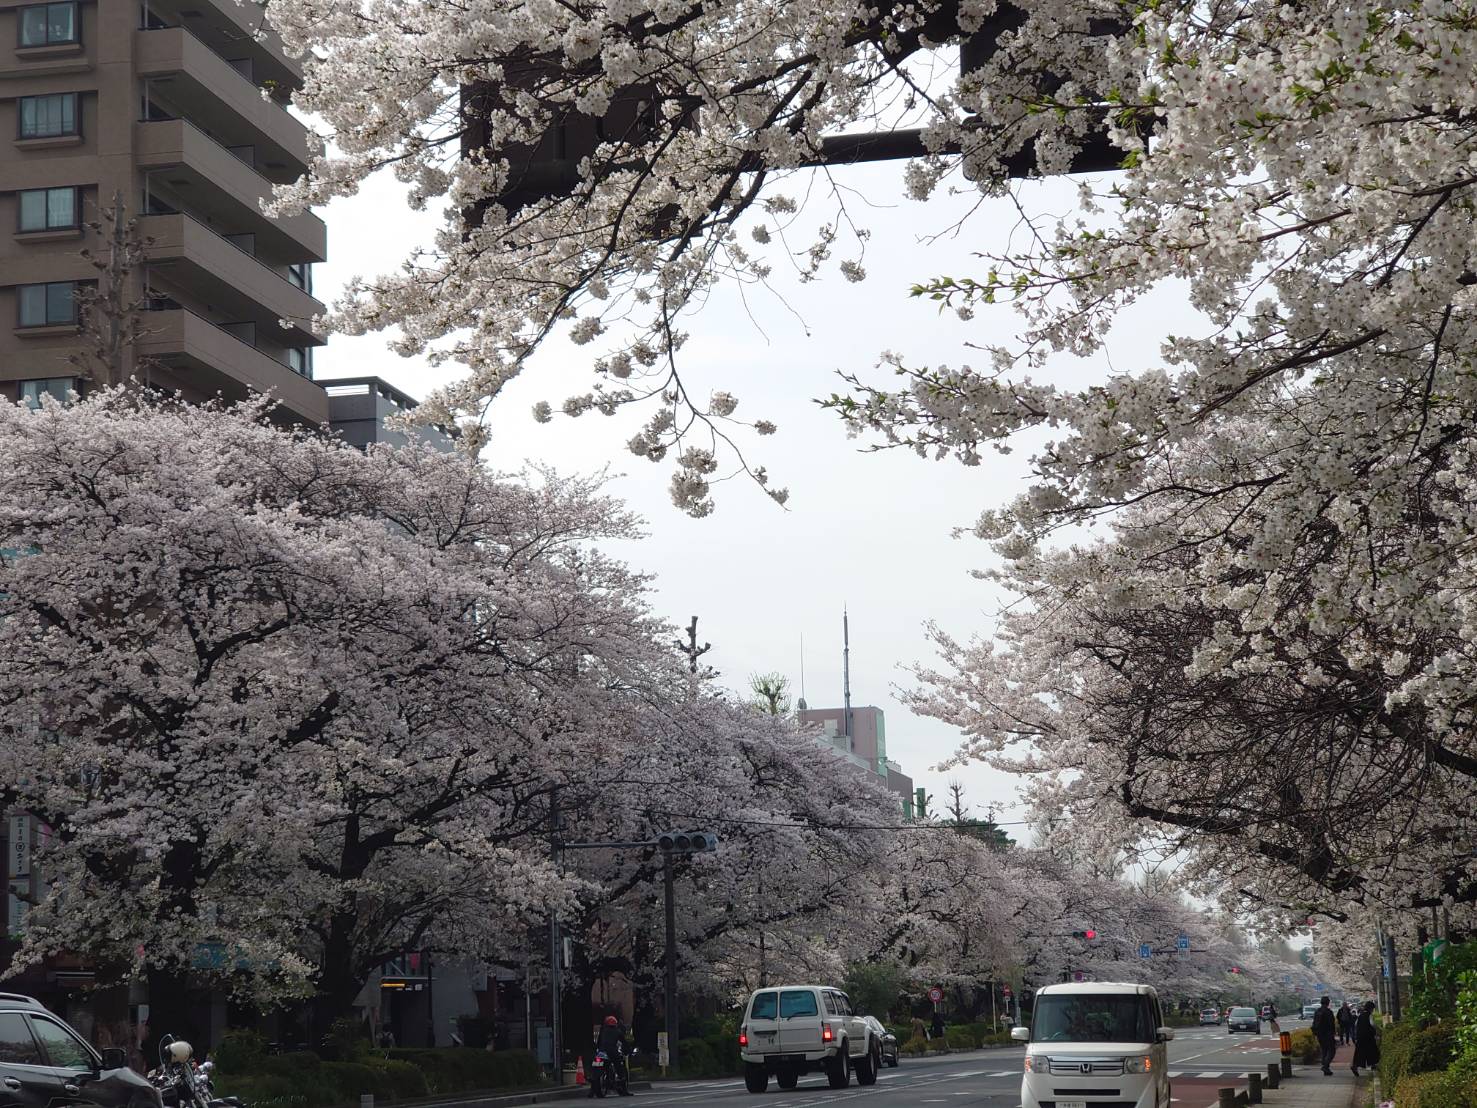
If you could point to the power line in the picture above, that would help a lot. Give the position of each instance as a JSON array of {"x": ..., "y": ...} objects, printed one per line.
[{"x": 852, "y": 826}]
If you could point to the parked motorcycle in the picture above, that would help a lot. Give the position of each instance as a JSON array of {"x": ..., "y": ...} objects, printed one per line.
[{"x": 184, "y": 1083}]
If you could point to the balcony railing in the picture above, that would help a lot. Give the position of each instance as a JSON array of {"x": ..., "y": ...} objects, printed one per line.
[
  {"x": 296, "y": 289},
  {"x": 256, "y": 89}
]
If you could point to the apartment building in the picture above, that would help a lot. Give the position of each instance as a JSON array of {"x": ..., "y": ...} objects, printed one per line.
[{"x": 177, "y": 106}]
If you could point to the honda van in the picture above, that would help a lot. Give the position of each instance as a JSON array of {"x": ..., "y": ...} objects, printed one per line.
[{"x": 1095, "y": 1045}]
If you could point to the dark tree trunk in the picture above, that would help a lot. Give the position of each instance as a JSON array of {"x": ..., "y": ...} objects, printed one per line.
[
  {"x": 339, "y": 981},
  {"x": 169, "y": 1010}
]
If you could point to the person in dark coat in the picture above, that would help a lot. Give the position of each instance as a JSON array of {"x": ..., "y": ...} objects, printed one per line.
[
  {"x": 1323, "y": 1031},
  {"x": 1345, "y": 1019},
  {"x": 1366, "y": 1046}
]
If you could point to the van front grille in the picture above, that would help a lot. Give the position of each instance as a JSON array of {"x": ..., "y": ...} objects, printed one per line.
[{"x": 1085, "y": 1067}]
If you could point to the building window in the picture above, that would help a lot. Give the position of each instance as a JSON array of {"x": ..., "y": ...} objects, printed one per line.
[
  {"x": 300, "y": 361},
  {"x": 50, "y": 24},
  {"x": 60, "y": 388},
  {"x": 301, "y": 275},
  {"x": 48, "y": 305},
  {"x": 48, "y": 209},
  {"x": 48, "y": 116}
]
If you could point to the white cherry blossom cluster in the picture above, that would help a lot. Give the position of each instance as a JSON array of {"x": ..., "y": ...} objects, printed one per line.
[{"x": 710, "y": 112}]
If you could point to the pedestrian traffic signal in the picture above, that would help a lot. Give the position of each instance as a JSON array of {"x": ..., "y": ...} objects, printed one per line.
[{"x": 687, "y": 842}]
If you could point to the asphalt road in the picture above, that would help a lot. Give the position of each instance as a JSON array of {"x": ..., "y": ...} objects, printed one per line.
[{"x": 1201, "y": 1060}]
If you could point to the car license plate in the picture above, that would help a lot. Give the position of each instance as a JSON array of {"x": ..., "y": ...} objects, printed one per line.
[
  {"x": 1071, "y": 1104},
  {"x": 764, "y": 1036}
]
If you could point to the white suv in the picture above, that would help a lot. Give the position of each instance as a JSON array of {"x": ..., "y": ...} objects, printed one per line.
[
  {"x": 796, "y": 1029},
  {"x": 1095, "y": 1045}
]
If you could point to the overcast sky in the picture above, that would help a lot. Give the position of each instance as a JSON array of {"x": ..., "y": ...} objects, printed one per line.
[{"x": 869, "y": 531}]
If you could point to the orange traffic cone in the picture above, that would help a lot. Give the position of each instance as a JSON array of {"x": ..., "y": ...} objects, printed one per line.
[{"x": 579, "y": 1070}]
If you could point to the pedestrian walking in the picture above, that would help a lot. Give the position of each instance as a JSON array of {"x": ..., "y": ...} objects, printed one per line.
[
  {"x": 1366, "y": 1045},
  {"x": 919, "y": 1030},
  {"x": 1346, "y": 1023},
  {"x": 938, "y": 1024},
  {"x": 1272, "y": 1017},
  {"x": 1324, "y": 1031}
]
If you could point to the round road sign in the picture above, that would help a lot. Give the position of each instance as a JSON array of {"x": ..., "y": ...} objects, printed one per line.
[{"x": 935, "y": 994}]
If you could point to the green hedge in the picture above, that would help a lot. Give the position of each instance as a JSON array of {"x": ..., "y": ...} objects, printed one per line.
[
  {"x": 1305, "y": 1046},
  {"x": 462, "y": 1070},
  {"x": 302, "y": 1079},
  {"x": 958, "y": 1038},
  {"x": 1409, "y": 1049},
  {"x": 1445, "y": 1089}
]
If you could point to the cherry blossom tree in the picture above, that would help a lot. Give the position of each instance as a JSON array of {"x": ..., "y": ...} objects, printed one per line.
[
  {"x": 1280, "y": 684},
  {"x": 804, "y": 837},
  {"x": 291, "y": 703},
  {"x": 1301, "y": 169}
]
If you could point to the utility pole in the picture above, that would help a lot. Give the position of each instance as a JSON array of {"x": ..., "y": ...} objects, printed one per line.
[
  {"x": 669, "y": 844},
  {"x": 691, "y": 648},
  {"x": 671, "y": 998},
  {"x": 846, "y": 678},
  {"x": 554, "y": 985},
  {"x": 1394, "y": 976}
]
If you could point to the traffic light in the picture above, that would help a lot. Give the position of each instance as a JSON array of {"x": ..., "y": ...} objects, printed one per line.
[
  {"x": 1089, "y": 934},
  {"x": 1235, "y": 969},
  {"x": 687, "y": 842}
]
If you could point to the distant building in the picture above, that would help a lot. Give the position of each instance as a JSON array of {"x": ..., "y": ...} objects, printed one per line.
[
  {"x": 359, "y": 406},
  {"x": 864, "y": 743}
]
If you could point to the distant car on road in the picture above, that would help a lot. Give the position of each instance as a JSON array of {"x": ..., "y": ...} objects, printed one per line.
[
  {"x": 1210, "y": 1015},
  {"x": 1308, "y": 1010},
  {"x": 886, "y": 1038},
  {"x": 1243, "y": 1019}
]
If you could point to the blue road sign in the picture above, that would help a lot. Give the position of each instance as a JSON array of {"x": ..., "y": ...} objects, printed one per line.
[
  {"x": 1287, "y": 979},
  {"x": 1145, "y": 950},
  {"x": 1182, "y": 943}
]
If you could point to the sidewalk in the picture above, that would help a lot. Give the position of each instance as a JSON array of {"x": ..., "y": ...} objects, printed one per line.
[
  {"x": 1308, "y": 1087},
  {"x": 547, "y": 1094}
]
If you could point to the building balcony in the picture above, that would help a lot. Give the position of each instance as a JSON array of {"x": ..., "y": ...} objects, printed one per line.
[
  {"x": 222, "y": 100},
  {"x": 224, "y": 189},
  {"x": 191, "y": 255},
  {"x": 212, "y": 361},
  {"x": 237, "y": 32}
]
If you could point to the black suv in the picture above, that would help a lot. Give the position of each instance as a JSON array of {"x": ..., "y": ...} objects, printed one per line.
[{"x": 45, "y": 1064}]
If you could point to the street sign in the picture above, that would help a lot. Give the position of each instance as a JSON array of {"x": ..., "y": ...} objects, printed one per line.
[
  {"x": 1182, "y": 943},
  {"x": 1077, "y": 976},
  {"x": 663, "y": 1058},
  {"x": 935, "y": 994},
  {"x": 1287, "y": 979},
  {"x": 1005, "y": 992},
  {"x": 1145, "y": 950}
]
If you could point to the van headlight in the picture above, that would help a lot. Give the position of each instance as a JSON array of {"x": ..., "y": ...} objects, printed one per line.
[{"x": 1139, "y": 1063}]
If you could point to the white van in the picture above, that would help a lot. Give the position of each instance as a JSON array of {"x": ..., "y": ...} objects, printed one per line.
[
  {"x": 1095, "y": 1045},
  {"x": 795, "y": 1029}
]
